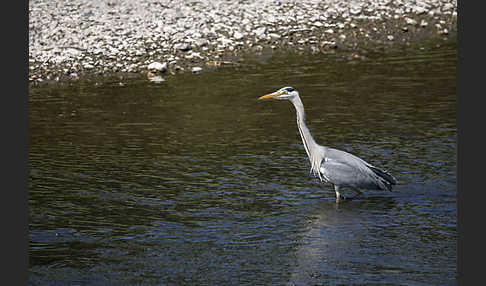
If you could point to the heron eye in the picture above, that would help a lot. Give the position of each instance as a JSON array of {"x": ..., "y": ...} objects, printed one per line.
[{"x": 290, "y": 89}]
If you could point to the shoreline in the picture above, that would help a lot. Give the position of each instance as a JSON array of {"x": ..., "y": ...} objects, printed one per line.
[{"x": 86, "y": 38}]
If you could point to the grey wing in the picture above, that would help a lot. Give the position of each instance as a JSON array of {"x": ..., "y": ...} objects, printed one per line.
[
  {"x": 346, "y": 169},
  {"x": 346, "y": 175}
]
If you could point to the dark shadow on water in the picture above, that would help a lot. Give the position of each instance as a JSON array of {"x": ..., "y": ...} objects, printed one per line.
[{"x": 367, "y": 203}]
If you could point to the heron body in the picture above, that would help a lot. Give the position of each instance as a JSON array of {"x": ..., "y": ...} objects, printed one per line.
[{"x": 340, "y": 168}]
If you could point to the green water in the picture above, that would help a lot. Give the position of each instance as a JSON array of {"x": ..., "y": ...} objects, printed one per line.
[{"x": 195, "y": 182}]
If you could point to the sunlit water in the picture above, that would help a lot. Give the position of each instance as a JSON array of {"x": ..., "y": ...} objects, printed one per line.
[{"x": 195, "y": 182}]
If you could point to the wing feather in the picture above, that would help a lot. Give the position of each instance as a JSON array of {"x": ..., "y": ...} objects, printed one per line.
[{"x": 345, "y": 169}]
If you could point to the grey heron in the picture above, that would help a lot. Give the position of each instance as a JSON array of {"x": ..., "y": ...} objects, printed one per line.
[{"x": 334, "y": 166}]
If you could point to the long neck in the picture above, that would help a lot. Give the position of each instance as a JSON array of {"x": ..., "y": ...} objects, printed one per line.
[{"x": 310, "y": 145}]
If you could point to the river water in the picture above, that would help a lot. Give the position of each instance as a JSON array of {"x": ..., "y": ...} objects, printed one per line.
[{"x": 194, "y": 182}]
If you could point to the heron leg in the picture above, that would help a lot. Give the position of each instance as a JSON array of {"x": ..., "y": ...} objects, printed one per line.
[{"x": 339, "y": 197}]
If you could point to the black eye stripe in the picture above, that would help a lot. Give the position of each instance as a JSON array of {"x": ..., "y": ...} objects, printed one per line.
[{"x": 290, "y": 89}]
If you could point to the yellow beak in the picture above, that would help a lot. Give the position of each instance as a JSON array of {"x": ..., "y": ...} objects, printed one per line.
[{"x": 271, "y": 95}]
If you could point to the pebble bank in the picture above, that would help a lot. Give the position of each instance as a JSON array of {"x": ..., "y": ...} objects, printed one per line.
[{"x": 71, "y": 39}]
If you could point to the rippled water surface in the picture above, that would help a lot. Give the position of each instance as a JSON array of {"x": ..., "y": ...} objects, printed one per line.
[{"x": 195, "y": 182}]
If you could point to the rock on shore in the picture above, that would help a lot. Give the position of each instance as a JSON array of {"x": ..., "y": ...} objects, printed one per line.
[{"x": 88, "y": 37}]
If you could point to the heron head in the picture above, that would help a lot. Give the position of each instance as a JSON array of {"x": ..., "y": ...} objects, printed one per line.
[{"x": 284, "y": 93}]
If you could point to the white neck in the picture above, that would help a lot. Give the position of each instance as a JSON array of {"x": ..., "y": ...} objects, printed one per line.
[{"x": 310, "y": 145}]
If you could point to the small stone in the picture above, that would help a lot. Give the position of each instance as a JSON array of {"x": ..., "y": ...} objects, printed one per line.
[
  {"x": 274, "y": 36},
  {"x": 201, "y": 42},
  {"x": 237, "y": 35},
  {"x": 196, "y": 69},
  {"x": 355, "y": 10},
  {"x": 447, "y": 7},
  {"x": 420, "y": 10},
  {"x": 410, "y": 21},
  {"x": 329, "y": 31},
  {"x": 423, "y": 23},
  {"x": 260, "y": 31},
  {"x": 182, "y": 47},
  {"x": 225, "y": 42},
  {"x": 197, "y": 55},
  {"x": 390, "y": 37},
  {"x": 156, "y": 66}
]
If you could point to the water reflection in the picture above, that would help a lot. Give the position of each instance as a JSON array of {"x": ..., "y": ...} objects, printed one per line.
[{"x": 192, "y": 181}]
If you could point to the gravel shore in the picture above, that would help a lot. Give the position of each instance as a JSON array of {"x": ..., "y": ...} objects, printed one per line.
[{"x": 71, "y": 39}]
